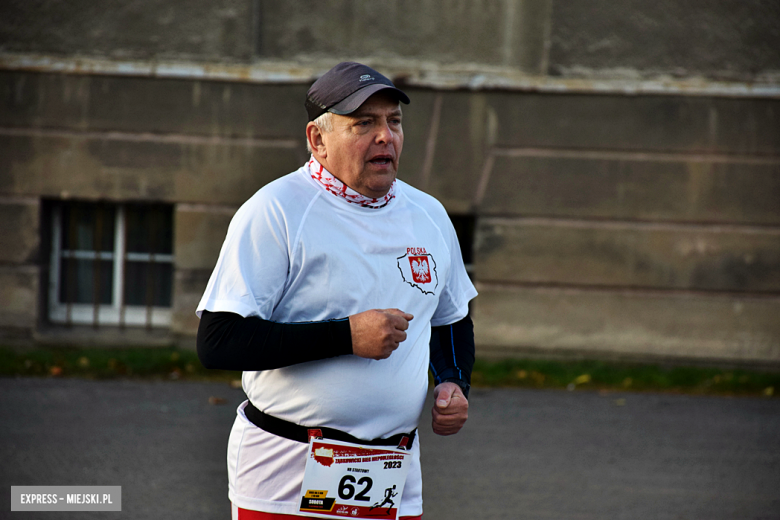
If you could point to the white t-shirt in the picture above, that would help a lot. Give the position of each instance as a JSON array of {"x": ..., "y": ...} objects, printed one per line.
[{"x": 296, "y": 253}]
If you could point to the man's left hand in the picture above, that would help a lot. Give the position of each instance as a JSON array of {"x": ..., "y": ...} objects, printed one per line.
[{"x": 450, "y": 409}]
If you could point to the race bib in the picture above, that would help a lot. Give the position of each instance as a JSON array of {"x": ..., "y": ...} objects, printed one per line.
[{"x": 353, "y": 481}]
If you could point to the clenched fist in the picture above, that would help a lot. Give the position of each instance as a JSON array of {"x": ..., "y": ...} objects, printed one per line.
[
  {"x": 450, "y": 409},
  {"x": 378, "y": 332}
]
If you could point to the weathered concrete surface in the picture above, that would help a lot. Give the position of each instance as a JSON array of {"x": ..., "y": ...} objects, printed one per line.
[
  {"x": 188, "y": 287},
  {"x": 496, "y": 32},
  {"x": 722, "y": 39},
  {"x": 515, "y": 320},
  {"x": 523, "y": 454},
  {"x": 458, "y": 136},
  {"x": 689, "y": 124},
  {"x": 417, "y": 120},
  {"x": 136, "y": 167},
  {"x": 130, "y": 29},
  {"x": 19, "y": 273},
  {"x": 199, "y": 233},
  {"x": 571, "y": 252},
  {"x": 580, "y": 184},
  {"x": 449, "y": 136},
  {"x": 152, "y": 105},
  {"x": 18, "y": 299},
  {"x": 19, "y": 231}
]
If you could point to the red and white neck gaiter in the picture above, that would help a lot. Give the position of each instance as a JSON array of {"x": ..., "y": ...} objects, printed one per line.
[{"x": 338, "y": 188}]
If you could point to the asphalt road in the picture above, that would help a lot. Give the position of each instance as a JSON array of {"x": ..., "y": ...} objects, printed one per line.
[{"x": 524, "y": 454}]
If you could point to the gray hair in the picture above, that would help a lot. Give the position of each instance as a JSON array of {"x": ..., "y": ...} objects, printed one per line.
[{"x": 325, "y": 123}]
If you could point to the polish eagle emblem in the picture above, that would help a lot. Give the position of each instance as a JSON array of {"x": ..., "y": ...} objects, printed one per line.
[{"x": 419, "y": 270}]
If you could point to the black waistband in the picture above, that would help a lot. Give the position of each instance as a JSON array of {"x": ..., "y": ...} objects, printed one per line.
[{"x": 296, "y": 432}]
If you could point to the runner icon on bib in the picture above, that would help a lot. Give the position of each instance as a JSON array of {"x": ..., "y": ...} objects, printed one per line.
[{"x": 389, "y": 494}]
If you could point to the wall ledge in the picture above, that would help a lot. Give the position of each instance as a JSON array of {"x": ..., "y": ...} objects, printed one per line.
[{"x": 412, "y": 73}]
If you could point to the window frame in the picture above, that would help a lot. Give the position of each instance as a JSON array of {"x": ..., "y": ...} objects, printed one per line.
[{"x": 95, "y": 314}]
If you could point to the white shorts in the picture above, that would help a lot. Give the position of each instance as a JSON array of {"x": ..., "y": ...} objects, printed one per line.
[{"x": 265, "y": 471}]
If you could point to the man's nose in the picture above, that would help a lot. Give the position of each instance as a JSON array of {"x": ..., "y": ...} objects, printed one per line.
[{"x": 384, "y": 134}]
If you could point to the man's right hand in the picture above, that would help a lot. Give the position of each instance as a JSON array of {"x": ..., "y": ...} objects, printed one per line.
[{"x": 378, "y": 332}]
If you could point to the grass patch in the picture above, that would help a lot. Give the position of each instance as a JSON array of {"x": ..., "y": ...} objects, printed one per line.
[
  {"x": 599, "y": 375},
  {"x": 96, "y": 363},
  {"x": 172, "y": 363}
]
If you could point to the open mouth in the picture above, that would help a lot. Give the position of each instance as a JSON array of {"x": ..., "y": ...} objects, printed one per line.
[{"x": 381, "y": 160}]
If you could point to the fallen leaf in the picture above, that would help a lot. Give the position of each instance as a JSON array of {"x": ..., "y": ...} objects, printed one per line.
[
  {"x": 217, "y": 400},
  {"x": 619, "y": 402},
  {"x": 55, "y": 371},
  {"x": 581, "y": 380}
]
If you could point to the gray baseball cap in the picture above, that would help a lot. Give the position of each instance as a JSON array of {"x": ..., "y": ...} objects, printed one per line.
[{"x": 345, "y": 87}]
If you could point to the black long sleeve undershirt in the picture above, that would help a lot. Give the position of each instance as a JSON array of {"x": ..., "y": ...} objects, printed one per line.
[
  {"x": 229, "y": 341},
  {"x": 452, "y": 353}
]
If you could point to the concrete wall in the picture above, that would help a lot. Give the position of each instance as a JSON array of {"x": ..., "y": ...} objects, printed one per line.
[
  {"x": 727, "y": 39},
  {"x": 631, "y": 225},
  {"x": 130, "y": 29},
  {"x": 619, "y": 216},
  {"x": 19, "y": 259}
]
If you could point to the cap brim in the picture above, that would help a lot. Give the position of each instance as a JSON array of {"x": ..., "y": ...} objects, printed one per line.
[{"x": 354, "y": 100}]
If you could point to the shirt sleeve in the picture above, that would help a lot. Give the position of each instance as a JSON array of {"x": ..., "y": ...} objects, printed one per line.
[
  {"x": 458, "y": 290},
  {"x": 251, "y": 272}
]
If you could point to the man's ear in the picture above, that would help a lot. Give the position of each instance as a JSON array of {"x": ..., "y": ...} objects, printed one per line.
[{"x": 314, "y": 136}]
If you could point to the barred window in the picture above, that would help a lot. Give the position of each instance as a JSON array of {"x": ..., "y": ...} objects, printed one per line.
[{"x": 111, "y": 264}]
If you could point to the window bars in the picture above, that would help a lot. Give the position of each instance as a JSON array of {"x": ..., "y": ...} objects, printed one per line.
[{"x": 112, "y": 264}]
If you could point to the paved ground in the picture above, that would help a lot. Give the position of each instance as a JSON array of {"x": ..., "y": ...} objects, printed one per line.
[{"x": 524, "y": 454}]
